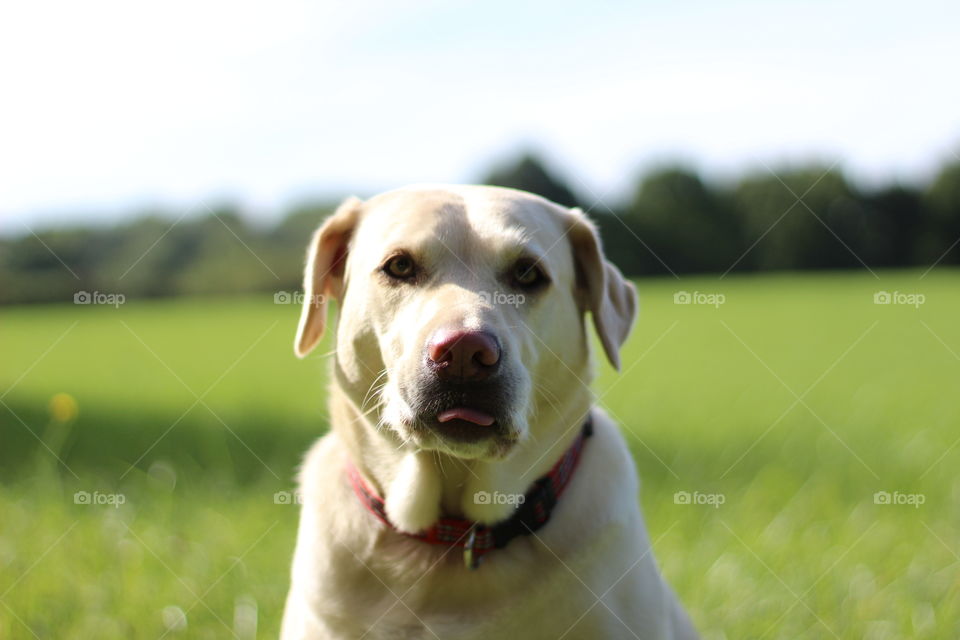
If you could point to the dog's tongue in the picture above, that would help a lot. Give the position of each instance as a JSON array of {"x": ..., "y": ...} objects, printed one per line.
[{"x": 463, "y": 413}]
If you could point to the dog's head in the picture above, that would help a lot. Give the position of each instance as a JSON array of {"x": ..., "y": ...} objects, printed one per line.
[{"x": 461, "y": 311}]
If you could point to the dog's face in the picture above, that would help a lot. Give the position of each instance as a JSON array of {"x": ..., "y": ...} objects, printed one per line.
[{"x": 461, "y": 311}]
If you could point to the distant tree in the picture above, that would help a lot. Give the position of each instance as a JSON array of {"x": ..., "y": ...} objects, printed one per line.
[
  {"x": 219, "y": 252},
  {"x": 300, "y": 223},
  {"x": 942, "y": 226},
  {"x": 287, "y": 242},
  {"x": 623, "y": 243},
  {"x": 684, "y": 222},
  {"x": 529, "y": 173},
  {"x": 806, "y": 218},
  {"x": 896, "y": 219}
]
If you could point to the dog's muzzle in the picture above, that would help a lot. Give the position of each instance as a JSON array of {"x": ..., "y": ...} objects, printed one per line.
[{"x": 462, "y": 391}]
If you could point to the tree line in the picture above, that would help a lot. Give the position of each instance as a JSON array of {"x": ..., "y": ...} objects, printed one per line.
[
  {"x": 673, "y": 222},
  {"x": 795, "y": 218}
]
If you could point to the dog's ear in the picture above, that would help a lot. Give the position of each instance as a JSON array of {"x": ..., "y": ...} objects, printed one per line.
[
  {"x": 610, "y": 298},
  {"x": 324, "y": 275}
]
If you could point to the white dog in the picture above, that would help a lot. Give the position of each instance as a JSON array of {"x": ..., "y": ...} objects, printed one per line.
[{"x": 468, "y": 488}]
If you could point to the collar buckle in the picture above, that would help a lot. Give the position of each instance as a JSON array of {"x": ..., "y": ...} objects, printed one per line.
[{"x": 470, "y": 558}]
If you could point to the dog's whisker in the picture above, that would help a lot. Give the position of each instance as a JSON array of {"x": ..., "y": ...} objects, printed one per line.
[
  {"x": 372, "y": 385},
  {"x": 550, "y": 398},
  {"x": 377, "y": 395},
  {"x": 439, "y": 462}
]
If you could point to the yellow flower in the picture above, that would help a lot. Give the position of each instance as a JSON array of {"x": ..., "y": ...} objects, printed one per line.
[{"x": 63, "y": 407}]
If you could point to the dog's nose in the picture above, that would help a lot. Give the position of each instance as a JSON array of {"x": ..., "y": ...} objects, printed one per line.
[{"x": 463, "y": 355}]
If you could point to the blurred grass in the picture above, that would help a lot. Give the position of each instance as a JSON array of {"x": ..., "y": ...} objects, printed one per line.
[{"x": 707, "y": 398}]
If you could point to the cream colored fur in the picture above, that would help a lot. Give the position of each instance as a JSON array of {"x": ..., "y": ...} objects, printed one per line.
[{"x": 590, "y": 572}]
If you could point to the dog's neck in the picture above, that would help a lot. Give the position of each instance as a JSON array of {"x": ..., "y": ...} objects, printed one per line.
[{"x": 421, "y": 486}]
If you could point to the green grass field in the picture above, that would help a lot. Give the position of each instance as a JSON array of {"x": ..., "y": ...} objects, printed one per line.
[{"x": 793, "y": 403}]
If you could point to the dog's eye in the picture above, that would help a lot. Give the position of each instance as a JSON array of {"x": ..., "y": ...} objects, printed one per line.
[
  {"x": 527, "y": 275},
  {"x": 400, "y": 267}
]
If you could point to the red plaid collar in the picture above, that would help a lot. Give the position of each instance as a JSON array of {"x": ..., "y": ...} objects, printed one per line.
[{"x": 477, "y": 539}]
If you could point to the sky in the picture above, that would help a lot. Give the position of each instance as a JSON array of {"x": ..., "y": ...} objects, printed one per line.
[{"x": 109, "y": 107}]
